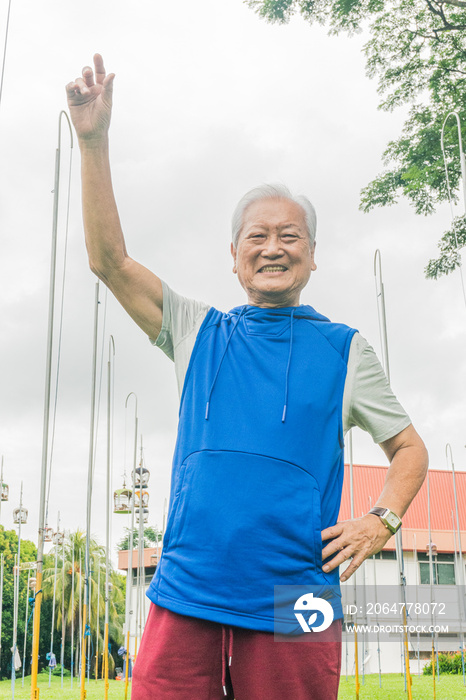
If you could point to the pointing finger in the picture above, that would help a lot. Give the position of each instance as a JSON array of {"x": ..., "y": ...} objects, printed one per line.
[{"x": 99, "y": 68}]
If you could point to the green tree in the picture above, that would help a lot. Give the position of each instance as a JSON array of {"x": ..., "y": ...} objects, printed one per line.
[
  {"x": 9, "y": 547},
  {"x": 71, "y": 555},
  {"x": 417, "y": 52},
  {"x": 152, "y": 536}
]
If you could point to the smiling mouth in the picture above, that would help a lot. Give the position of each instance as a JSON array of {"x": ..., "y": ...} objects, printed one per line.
[{"x": 273, "y": 268}]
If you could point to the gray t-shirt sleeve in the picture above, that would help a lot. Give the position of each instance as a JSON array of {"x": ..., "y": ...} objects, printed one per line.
[
  {"x": 182, "y": 319},
  {"x": 368, "y": 400}
]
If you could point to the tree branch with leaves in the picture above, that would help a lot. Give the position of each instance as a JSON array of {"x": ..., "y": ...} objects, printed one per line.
[{"x": 417, "y": 54}]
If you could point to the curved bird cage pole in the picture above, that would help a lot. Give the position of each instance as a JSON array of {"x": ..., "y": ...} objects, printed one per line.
[
  {"x": 90, "y": 474},
  {"x": 431, "y": 577},
  {"x": 5, "y": 44},
  {"x": 1, "y": 493},
  {"x": 72, "y": 611},
  {"x": 26, "y": 626},
  {"x": 356, "y": 655},
  {"x": 54, "y": 595},
  {"x": 97, "y": 620},
  {"x": 382, "y": 318},
  {"x": 448, "y": 451},
  {"x": 1, "y": 604},
  {"x": 45, "y": 437},
  {"x": 129, "y": 578},
  {"x": 63, "y": 628},
  {"x": 16, "y": 594},
  {"x": 463, "y": 177},
  {"x": 80, "y": 628},
  {"x": 110, "y": 385},
  {"x": 140, "y": 558}
]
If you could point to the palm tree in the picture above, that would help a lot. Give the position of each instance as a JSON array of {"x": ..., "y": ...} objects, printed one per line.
[{"x": 71, "y": 555}]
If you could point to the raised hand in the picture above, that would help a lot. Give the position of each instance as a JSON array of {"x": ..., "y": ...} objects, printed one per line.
[{"x": 90, "y": 101}]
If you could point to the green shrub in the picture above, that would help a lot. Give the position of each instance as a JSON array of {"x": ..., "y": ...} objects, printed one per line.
[
  {"x": 57, "y": 671},
  {"x": 448, "y": 663}
]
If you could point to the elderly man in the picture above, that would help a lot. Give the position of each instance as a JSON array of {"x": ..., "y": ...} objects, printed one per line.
[{"x": 268, "y": 391}]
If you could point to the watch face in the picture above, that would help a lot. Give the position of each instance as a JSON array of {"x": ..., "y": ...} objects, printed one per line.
[{"x": 392, "y": 519}]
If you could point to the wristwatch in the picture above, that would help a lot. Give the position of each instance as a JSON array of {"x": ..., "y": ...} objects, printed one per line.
[{"x": 391, "y": 521}]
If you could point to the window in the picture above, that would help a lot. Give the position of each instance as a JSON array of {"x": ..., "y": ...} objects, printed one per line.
[
  {"x": 443, "y": 567},
  {"x": 148, "y": 571},
  {"x": 385, "y": 554}
]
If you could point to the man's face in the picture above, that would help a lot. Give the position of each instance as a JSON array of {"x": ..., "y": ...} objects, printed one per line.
[{"x": 273, "y": 258}]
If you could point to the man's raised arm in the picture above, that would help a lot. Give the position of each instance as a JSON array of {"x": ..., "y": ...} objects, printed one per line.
[{"x": 136, "y": 288}]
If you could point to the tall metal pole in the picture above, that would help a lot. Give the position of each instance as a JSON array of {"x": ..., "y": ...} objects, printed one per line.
[
  {"x": 15, "y": 626},
  {"x": 26, "y": 626},
  {"x": 140, "y": 583},
  {"x": 63, "y": 627},
  {"x": 97, "y": 622},
  {"x": 1, "y": 492},
  {"x": 431, "y": 576},
  {"x": 80, "y": 629},
  {"x": 72, "y": 610},
  {"x": 54, "y": 593},
  {"x": 16, "y": 596},
  {"x": 462, "y": 607},
  {"x": 45, "y": 437},
  {"x": 1, "y": 606},
  {"x": 356, "y": 654},
  {"x": 129, "y": 578},
  {"x": 463, "y": 177},
  {"x": 90, "y": 473},
  {"x": 111, "y": 356},
  {"x": 380, "y": 295},
  {"x": 458, "y": 564}
]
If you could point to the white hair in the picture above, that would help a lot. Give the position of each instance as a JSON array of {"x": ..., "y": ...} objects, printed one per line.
[{"x": 276, "y": 191}]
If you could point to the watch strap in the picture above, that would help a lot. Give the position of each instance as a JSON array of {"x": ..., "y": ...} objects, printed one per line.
[{"x": 383, "y": 513}]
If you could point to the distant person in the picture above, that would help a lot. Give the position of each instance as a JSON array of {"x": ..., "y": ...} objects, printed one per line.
[{"x": 268, "y": 391}]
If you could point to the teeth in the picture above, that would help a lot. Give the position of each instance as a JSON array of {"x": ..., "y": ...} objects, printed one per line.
[{"x": 273, "y": 268}]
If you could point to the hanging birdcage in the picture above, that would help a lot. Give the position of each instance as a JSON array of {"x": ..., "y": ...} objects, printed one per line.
[
  {"x": 122, "y": 501},
  {"x": 141, "y": 499},
  {"x": 20, "y": 515},
  {"x": 48, "y": 534},
  {"x": 32, "y": 583},
  {"x": 141, "y": 478},
  {"x": 110, "y": 587},
  {"x": 57, "y": 538},
  {"x": 145, "y": 515},
  {"x": 153, "y": 558},
  {"x": 5, "y": 491}
]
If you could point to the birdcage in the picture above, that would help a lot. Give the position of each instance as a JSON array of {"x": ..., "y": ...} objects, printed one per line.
[
  {"x": 122, "y": 501},
  {"x": 4, "y": 492},
  {"x": 145, "y": 515},
  {"x": 141, "y": 499},
  {"x": 20, "y": 515},
  {"x": 32, "y": 582},
  {"x": 141, "y": 478},
  {"x": 48, "y": 534},
  {"x": 57, "y": 538}
]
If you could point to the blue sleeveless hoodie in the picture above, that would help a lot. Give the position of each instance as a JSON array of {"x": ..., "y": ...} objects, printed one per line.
[{"x": 258, "y": 464}]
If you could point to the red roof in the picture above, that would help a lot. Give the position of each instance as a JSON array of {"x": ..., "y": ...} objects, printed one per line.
[{"x": 368, "y": 484}]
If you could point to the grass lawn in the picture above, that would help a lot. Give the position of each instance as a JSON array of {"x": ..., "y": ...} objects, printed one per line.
[
  {"x": 448, "y": 688},
  {"x": 94, "y": 689}
]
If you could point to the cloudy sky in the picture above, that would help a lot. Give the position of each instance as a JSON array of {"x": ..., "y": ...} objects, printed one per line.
[{"x": 209, "y": 102}]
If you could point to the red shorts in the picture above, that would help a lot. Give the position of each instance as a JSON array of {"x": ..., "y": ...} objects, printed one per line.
[{"x": 185, "y": 658}]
